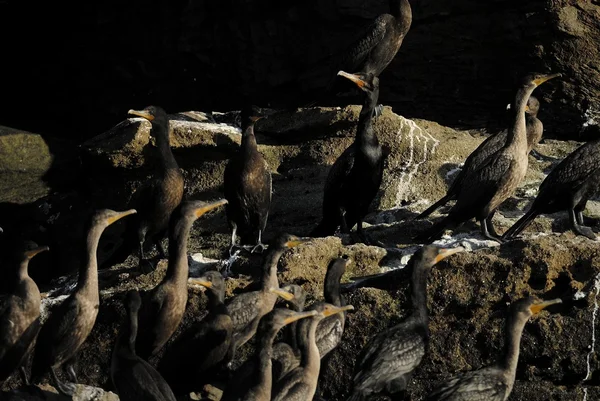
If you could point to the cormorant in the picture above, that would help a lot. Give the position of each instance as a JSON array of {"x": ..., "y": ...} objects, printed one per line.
[
  {"x": 387, "y": 361},
  {"x": 247, "y": 308},
  {"x": 19, "y": 313},
  {"x": 71, "y": 322},
  {"x": 255, "y": 384},
  {"x": 133, "y": 378},
  {"x": 486, "y": 187},
  {"x": 493, "y": 383},
  {"x": 355, "y": 177},
  {"x": 164, "y": 305},
  {"x": 247, "y": 186},
  {"x": 491, "y": 145},
  {"x": 568, "y": 187},
  {"x": 301, "y": 383},
  {"x": 157, "y": 198},
  {"x": 194, "y": 358}
]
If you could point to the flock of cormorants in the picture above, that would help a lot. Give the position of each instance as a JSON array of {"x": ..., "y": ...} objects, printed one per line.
[{"x": 288, "y": 369}]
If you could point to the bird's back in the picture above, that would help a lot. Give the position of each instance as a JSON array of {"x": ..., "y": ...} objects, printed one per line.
[
  {"x": 135, "y": 379},
  {"x": 486, "y": 384}
]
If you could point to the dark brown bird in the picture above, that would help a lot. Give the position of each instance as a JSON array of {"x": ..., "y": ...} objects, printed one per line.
[
  {"x": 535, "y": 130},
  {"x": 568, "y": 187},
  {"x": 195, "y": 356},
  {"x": 248, "y": 186},
  {"x": 486, "y": 187},
  {"x": 157, "y": 198},
  {"x": 255, "y": 384},
  {"x": 134, "y": 378},
  {"x": 387, "y": 361},
  {"x": 301, "y": 383},
  {"x": 494, "y": 383},
  {"x": 71, "y": 322},
  {"x": 164, "y": 305},
  {"x": 355, "y": 177},
  {"x": 19, "y": 313}
]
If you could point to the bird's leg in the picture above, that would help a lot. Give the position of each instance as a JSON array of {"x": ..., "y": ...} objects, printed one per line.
[
  {"x": 259, "y": 244},
  {"x": 161, "y": 249},
  {"x": 70, "y": 369},
  {"x": 580, "y": 229},
  {"x": 378, "y": 110},
  {"x": 233, "y": 240},
  {"x": 485, "y": 232},
  {"x": 490, "y": 226},
  {"x": 24, "y": 376},
  {"x": 67, "y": 389}
]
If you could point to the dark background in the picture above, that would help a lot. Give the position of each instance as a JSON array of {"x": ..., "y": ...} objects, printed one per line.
[{"x": 72, "y": 70}]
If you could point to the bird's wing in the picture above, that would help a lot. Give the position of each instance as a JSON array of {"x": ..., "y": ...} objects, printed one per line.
[
  {"x": 243, "y": 309},
  {"x": 575, "y": 168},
  {"x": 292, "y": 388},
  {"x": 57, "y": 331},
  {"x": 353, "y": 59},
  {"x": 479, "y": 385},
  {"x": 340, "y": 171}
]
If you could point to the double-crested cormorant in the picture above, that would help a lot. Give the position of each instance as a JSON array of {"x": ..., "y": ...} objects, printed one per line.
[
  {"x": 486, "y": 187},
  {"x": 72, "y": 321},
  {"x": 301, "y": 383},
  {"x": 247, "y": 186},
  {"x": 256, "y": 384},
  {"x": 386, "y": 363},
  {"x": 568, "y": 187},
  {"x": 195, "y": 356},
  {"x": 134, "y": 378},
  {"x": 164, "y": 305},
  {"x": 493, "y": 383},
  {"x": 157, "y": 198},
  {"x": 491, "y": 145},
  {"x": 355, "y": 177},
  {"x": 19, "y": 313}
]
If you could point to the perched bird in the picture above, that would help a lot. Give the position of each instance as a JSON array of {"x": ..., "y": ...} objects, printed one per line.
[
  {"x": 387, "y": 361},
  {"x": 19, "y": 313},
  {"x": 355, "y": 177},
  {"x": 134, "y": 378},
  {"x": 248, "y": 308},
  {"x": 491, "y": 145},
  {"x": 157, "y": 198},
  {"x": 255, "y": 384},
  {"x": 195, "y": 356},
  {"x": 301, "y": 383},
  {"x": 494, "y": 383},
  {"x": 495, "y": 180},
  {"x": 247, "y": 186},
  {"x": 568, "y": 187},
  {"x": 71, "y": 322},
  {"x": 164, "y": 305}
]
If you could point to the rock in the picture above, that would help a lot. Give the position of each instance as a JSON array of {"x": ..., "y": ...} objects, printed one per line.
[{"x": 82, "y": 393}]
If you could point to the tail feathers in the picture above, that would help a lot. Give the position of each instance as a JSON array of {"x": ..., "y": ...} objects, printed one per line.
[
  {"x": 435, "y": 231},
  {"x": 521, "y": 224},
  {"x": 433, "y": 207}
]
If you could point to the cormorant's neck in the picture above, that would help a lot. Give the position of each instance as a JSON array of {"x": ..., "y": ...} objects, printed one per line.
[
  {"x": 269, "y": 278},
  {"x": 88, "y": 273},
  {"x": 248, "y": 138},
  {"x": 514, "y": 330},
  {"x": 365, "y": 136},
  {"x": 517, "y": 133},
  {"x": 216, "y": 299},
  {"x": 402, "y": 11},
  {"x": 311, "y": 360},
  {"x": 331, "y": 292},
  {"x": 161, "y": 133},
  {"x": 419, "y": 293},
  {"x": 178, "y": 269},
  {"x": 263, "y": 357},
  {"x": 22, "y": 272},
  {"x": 130, "y": 334}
]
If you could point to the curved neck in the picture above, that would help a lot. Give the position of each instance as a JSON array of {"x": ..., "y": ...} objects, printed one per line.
[
  {"x": 419, "y": 293},
  {"x": 22, "y": 273},
  {"x": 161, "y": 133},
  {"x": 402, "y": 11},
  {"x": 216, "y": 298},
  {"x": 263, "y": 356},
  {"x": 311, "y": 360},
  {"x": 517, "y": 134},
  {"x": 269, "y": 278},
  {"x": 248, "y": 138},
  {"x": 88, "y": 273},
  {"x": 178, "y": 269},
  {"x": 514, "y": 331},
  {"x": 331, "y": 292},
  {"x": 127, "y": 340},
  {"x": 365, "y": 136}
]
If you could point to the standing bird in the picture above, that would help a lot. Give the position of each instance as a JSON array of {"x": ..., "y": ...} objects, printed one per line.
[
  {"x": 486, "y": 187},
  {"x": 71, "y": 322},
  {"x": 195, "y": 356},
  {"x": 301, "y": 383},
  {"x": 134, "y": 378},
  {"x": 248, "y": 186},
  {"x": 19, "y": 313},
  {"x": 157, "y": 198},
  {"x": 568, "y": 187},
  {"x": 355, "y": 177},
  {"x": 248, "y": 308},
  {"x": 388, "y": 360},
  {"x": 255, "y": 384},
  {"x": 491, "y": 145},
  {"x": 494, "y": 383},
  {"x": 164, "y": 305}
]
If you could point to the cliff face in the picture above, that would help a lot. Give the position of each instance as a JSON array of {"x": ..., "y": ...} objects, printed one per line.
[{"x": 457, "y": 66}]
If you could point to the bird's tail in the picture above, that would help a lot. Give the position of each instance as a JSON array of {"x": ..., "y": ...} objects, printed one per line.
[
  {"x": 521, "y": 224},
  {"x": 435, "y": 231},
  {"x": 433, "y": 207}
]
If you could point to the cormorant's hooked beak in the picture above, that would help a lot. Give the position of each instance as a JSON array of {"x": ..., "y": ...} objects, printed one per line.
[
  {"x": 119, "y": 216},
  {"x": 545, "y": 78},
  {"x": 299, "y": 315},
  {"x": 537, "y": 307},
  {"x": 209, "y": 206},
  {"x": 444, "y": 253},
  {"x": 296, "y": 241},
  {"x": 30, "y": 254},
  {"x": 141, "y": 113},
  {"x": 336, "y": 309},
  {"x": 200, "y": 281},
  {"x": 354, "y": 78},
  {"x": 288, "y": 296}
]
